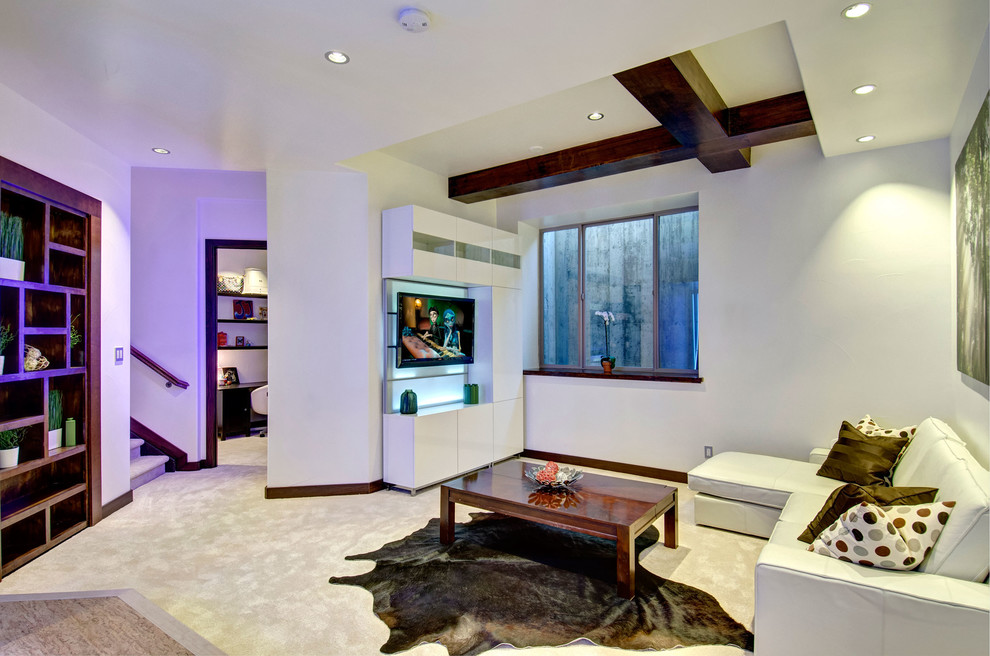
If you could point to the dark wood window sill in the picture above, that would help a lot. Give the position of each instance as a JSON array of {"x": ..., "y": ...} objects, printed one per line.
[{"x": 616, "y": 375}]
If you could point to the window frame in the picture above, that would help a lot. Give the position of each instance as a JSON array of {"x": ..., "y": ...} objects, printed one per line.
[{"x": 582, "y": 311}]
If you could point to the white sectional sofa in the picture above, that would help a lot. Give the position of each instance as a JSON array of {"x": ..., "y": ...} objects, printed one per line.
[{"x": 812, "y": 604}]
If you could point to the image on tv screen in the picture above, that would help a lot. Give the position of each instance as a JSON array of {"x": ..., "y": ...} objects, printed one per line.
[{"x": 434, "y": 330}]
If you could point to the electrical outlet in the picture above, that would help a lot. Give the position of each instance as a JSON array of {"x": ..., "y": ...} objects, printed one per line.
[
  {"x": 708, "y": 452},
  {"x": 118, "y": 355}
]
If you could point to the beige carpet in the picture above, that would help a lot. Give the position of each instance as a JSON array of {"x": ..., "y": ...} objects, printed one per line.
[{"x": 250, "y": 574}]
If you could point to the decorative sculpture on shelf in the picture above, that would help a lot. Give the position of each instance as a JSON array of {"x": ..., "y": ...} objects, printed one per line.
[{"x": 33, "y": 359}]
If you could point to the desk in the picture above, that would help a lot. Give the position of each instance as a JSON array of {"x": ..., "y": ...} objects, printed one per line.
[{"x": 234, "y": 414}]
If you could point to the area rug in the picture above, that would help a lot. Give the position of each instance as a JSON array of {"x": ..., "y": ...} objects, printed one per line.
[
  {"x": 506, "y": 580},
  {"x": 105, "y": 622}
]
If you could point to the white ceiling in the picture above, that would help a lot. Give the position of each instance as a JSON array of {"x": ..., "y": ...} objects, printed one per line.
[{"x": 242, "y": 84}]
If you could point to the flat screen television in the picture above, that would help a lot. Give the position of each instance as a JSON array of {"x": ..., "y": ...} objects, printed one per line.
[{"x": 434, "y": 330}]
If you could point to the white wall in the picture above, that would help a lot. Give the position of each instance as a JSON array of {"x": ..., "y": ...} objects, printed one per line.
[
  {"x": 825, "y": 295},
  {"x": 972, "y": 412},
  {"x": 320, "y": 336},
  {"x": 35, "y": 139},
  {"x": 174, "y": 212}
]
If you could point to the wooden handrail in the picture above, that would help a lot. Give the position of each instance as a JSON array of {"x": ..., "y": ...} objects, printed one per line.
[{"x": 170, "y": 378}]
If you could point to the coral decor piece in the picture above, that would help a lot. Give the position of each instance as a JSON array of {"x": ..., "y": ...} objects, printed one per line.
[{"x": 553, "y": 475}]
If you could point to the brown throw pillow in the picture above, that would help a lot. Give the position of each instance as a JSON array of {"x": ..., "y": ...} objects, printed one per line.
[
  {"x": 850, "y": 494},
  {"x": 856, "y": 458}
]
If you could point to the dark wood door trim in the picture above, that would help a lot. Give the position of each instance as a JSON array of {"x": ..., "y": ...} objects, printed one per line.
[{"x": 209, "y": 379}]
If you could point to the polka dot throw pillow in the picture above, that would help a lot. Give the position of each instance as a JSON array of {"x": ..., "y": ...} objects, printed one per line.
[
  {"x": 870, "y": 428},
  {"x": 889, "y": 537}
]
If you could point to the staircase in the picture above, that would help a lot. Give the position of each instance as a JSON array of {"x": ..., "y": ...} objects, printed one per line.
[{"x": 144, "y": 468}]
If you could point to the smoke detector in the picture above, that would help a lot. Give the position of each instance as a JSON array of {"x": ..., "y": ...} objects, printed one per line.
[{"x": 414, "y": 20}]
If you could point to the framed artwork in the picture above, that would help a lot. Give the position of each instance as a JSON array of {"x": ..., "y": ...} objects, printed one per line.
[
  {"x": 263, "y": 313},
  {"x": 239, "y": 340},
  {"x": 243, "y": 309},
  {"x": 229, "y": 376},
  {"x": 972, "y": 182}
]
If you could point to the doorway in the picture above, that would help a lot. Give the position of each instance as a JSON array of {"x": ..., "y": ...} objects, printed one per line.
[{"x": 236, "y": 339}]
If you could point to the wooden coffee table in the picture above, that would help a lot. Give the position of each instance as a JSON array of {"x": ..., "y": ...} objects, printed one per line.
[{"x": 615, "y": 508}]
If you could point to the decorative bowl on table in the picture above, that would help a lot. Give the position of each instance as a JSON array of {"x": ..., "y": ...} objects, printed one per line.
[{"x": 553, "y": 476}]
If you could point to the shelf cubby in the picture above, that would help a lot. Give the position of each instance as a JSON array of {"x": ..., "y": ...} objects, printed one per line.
[
  {"x": 77, "y": 315},
  {"x": 9, "y": 316},
  {"x": 20, "y": 399},
  {"x": 68, "y": 513},
  {"x": 51, "y": 346},
  {"x": 44, "y": 309},
  {"x": 73, "y": 388},
  {"x": 66, "y": 269},
  {"x": 34, "y": 446},
  {"x": 22, "y": 537},
  {"x": 32, "y": 213},
  {"x": 67, "y": 228}
]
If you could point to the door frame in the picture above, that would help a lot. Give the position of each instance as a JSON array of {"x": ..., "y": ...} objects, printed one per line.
[{"x": 210, "y": 334}]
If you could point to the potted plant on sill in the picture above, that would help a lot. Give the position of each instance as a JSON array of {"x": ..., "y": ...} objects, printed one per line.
[
  {"x": 10, "y": 444},
  {"x": 11, "y": 247},
  {"x": 608, "y": 361},
  {"x": 7, "y": 336},
  {"x": 54, "y": 419}
]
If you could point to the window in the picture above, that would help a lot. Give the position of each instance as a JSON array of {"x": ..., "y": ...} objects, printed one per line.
[{"x": 644, "y": 270}]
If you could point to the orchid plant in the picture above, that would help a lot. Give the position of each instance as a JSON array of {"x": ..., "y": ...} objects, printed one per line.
[{"x": 608, "y": 318}]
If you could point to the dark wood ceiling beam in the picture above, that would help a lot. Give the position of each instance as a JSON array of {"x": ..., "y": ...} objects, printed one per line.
[
  {"x": 755, "y": 124},
  {"x": 679, "y": 94},
  {"x": 628, "y": 152}
]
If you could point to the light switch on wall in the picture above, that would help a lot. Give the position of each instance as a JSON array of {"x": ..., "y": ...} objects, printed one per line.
[{"x": 118, "y": 355}]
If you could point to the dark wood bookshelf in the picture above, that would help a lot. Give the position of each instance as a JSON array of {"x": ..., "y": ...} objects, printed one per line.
[
  {"x": 50, "y": 495},
  {"x": 236, "y": 295}
]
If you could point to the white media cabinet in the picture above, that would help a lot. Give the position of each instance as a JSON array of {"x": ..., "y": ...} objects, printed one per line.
[{"x": 428, "y": 252}]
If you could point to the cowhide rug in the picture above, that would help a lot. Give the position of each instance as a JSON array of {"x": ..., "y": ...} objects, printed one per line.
[{"x": 506, "y": 580}]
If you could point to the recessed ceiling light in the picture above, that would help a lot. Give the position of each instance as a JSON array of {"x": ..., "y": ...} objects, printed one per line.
[
  {"x": 866, "y": 138},
  {"x": 857, "y": 10},
  {"x": 337, "y": 57},
  {"x": 865, "y": 89},
  {"x": 161, "y": 151},
  {"x": 595, "y": 116}
]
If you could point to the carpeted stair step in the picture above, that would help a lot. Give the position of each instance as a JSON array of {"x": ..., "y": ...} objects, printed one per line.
[
  {"x": 146, "y": 468},
  {"x": 136, "y": 445}
]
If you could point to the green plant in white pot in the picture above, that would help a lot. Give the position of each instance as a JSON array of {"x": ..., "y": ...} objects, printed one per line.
[
  {"x": 54, "y": 419},
  {"x": 11, "y": 247},
  {"x": 10, "y": 443},
  {"x": 7, "y": 337}
]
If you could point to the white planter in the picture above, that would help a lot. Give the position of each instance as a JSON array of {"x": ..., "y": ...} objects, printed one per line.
[
  {"x": 54, "y": 439},
  {"x": 8, "y": 457},
  {"x": 11, "y": 269},
  {"x": 1, "y": 363}
]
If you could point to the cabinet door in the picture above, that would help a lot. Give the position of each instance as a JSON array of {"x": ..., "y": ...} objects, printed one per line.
[
  {"x": 474, "y": 437},
  {"x": 474, "y": 253},
  {"x": 436, "y": 447},
  {"x": 508, "y": 422},
  {"x": 235, "y": 411},
  {"x": 506, "y": 262}
]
